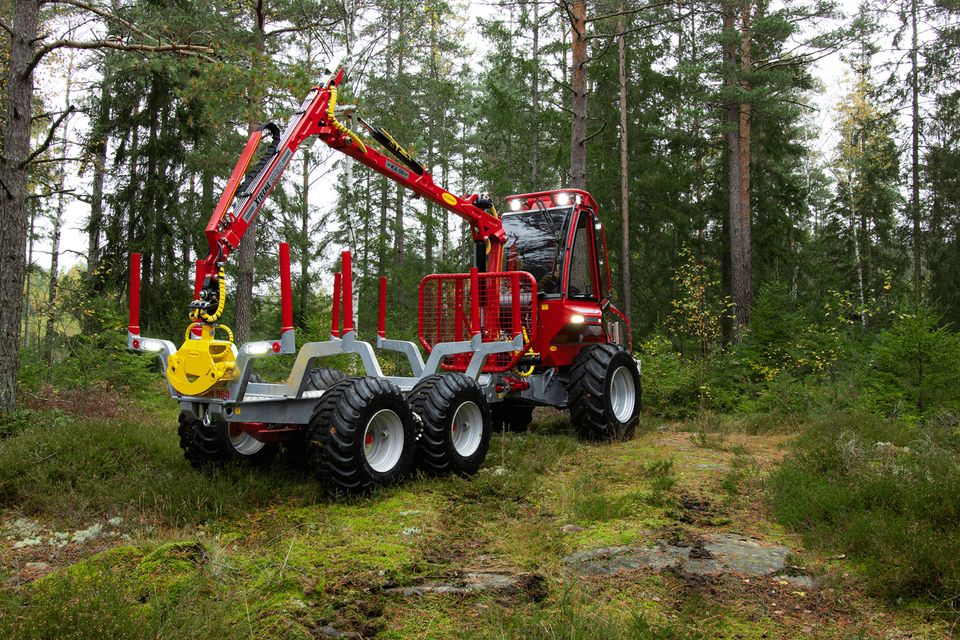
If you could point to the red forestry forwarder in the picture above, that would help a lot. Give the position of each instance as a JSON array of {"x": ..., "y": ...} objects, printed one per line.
[{"x": 531, "y": 324}]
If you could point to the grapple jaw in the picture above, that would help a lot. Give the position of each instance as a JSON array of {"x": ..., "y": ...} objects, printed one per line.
[{"x": 201, "y": 364}]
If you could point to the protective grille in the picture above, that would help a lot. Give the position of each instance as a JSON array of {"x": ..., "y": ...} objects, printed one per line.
[{"x": 452, "y": 307}]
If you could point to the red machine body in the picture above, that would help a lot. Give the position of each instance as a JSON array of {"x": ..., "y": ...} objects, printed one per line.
[
  {"x": 542, "y": 273},
  {"x": 577, "y": 309}
]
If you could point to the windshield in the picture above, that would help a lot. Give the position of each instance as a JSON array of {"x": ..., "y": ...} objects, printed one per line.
[{"x": 535, "y": 244}]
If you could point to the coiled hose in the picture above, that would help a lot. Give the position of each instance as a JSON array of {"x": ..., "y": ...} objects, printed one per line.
[
  {"x": 339, "y": 126},
  {"x": 198, "y": 314}
]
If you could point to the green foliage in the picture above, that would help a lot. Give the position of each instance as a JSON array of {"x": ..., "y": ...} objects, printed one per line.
[
  {"x": 670, "y": 383},
  {"x": 572, "y": 619},
  {"x": 697, "y": 309},
  {"x": 884, "y": 493},
  {"x": 20, "y": 420},
  {"x": 95, "y": 599},
  {"x": 798, "y": 360},
  {"x": 915, "y": 366},
  {"x": 82, "y": 469}
]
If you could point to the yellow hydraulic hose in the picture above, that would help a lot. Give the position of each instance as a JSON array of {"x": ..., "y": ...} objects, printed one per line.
[
  {"x": 528, "y": 372},
  {"x": 339, "y": 126},
  {"x": 197, "y": 315}
]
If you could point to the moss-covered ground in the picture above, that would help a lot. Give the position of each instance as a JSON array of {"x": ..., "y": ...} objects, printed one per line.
[{"x": 106, "y": 532}]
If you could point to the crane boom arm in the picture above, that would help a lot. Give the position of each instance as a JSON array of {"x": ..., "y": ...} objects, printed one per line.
[{"x": 243, "y": 196}]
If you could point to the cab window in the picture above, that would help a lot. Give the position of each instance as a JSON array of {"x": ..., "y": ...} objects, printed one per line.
[{"x": 581, "y": 281}]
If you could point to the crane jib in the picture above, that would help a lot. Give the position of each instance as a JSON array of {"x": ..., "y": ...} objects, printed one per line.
[{"x": 250, "y": 208}]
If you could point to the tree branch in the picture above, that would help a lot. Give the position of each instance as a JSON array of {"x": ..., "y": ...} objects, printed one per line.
[
  {"x": 559, "y": 106},
  {"x": 627, "y": 12},
  {"x": 603, "y": 125},
  {"x": 47, "y": 160},
  {"x": 185, "y": 49},
  {"x": 38, "y": 196},
  {"x": 648, "y": 25},
  {"x": 46, "y": 142},
  {"x": 106, "y": 15},
  {"x": 298, "y": 28},
  {"x": 6, "y": 27},
  {"x": 563, "y": 84}
]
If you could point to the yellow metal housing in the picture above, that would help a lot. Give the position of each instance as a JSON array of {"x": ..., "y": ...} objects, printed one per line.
[{"x": 199, "y": 365}]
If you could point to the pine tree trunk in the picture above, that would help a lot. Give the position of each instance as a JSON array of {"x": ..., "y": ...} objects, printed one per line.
[
  {"x": 304, "y": 240},
  {"x": 429, "y": 229},
  {"x": 578, "y": 105},
  {"x": 13, "y": 195},
  {"x": 535, "y": 82},
  {"x": 915, "y": 160},
  {"x": 398, "y": 211},
  {"x": 248, "y": 246},
  {"x": 624, "y": 167},
  {"x": 26, "y": 296},
  {"x": 732, "y": 114},
  {"x": 384, "y": 184},
  {"x": 95, "y": 223},
  {"x": 740, "y": 223}
]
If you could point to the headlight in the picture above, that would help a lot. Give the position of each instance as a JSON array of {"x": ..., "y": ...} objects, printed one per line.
[
  {"x": 516, "y": 205},
  {"x": 258, "y": 348},
  {"x": 562, "y": 199},
  {"x": 576, "y": 318},
  {"x": 152, "y": 345}
]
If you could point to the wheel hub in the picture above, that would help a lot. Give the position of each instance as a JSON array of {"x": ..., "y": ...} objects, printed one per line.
[
  {"x": 244, "y": 443},
  {"x": 623, "y": 394},
  {"x": 383, "y": 441},
  {"x": 466, "y": 429}
]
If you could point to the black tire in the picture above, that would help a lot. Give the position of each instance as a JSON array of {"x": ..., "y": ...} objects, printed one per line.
[
  {"x": 336, "y": 437},
  {"x": 436, "y": 399},
  {"x": 322, "y": 378},
  {"x": 208, "y": 447},
  {"x": 511, "y": 415},
  {"x": 319, "y": 379},
  {"x": 591, "y": 397}
]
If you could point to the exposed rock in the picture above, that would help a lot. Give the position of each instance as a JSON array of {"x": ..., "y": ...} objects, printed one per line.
[
  {"x": 571, "y": 528},
  {"x": 473, "y": 582},
  {"x": 27, "y": 542},
  {"x": 718, "y": 554}
]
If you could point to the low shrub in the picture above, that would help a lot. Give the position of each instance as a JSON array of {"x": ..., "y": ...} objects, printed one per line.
[
  {"x": 884, "y": 493},
  {"x": 93, "y": 468}
]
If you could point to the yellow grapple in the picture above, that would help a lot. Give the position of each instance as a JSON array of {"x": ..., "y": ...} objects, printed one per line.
[{"x": 199, "y": 365}]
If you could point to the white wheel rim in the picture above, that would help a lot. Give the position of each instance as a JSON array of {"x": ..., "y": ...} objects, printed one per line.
[
  {"x": 466, "y": 429},
  {"x": 623, "y": 394},
  {"x": 383, "y": 441},
  {"x": 245, "y": 444}
]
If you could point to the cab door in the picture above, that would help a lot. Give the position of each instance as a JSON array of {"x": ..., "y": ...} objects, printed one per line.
[
  {"x": 582, "y": 283},
  {"x": 574, "y": 318}
]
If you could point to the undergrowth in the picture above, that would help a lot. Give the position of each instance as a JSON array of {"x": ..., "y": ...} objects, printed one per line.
[
  {"x": 80, "y": 469},
  {"x": 883, "y": 492}
]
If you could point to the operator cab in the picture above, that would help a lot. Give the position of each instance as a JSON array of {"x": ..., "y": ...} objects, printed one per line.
[{"x": 557, "y": 237}]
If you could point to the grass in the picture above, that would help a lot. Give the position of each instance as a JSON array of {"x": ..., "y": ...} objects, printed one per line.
[
  {"x": 266, "y": 554},
  {"x": 83, "y": 469},
  {"x": 97, "y": 599},
  {"x": 573, "y": 617},
  {"x": 884, "y": 493}
]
